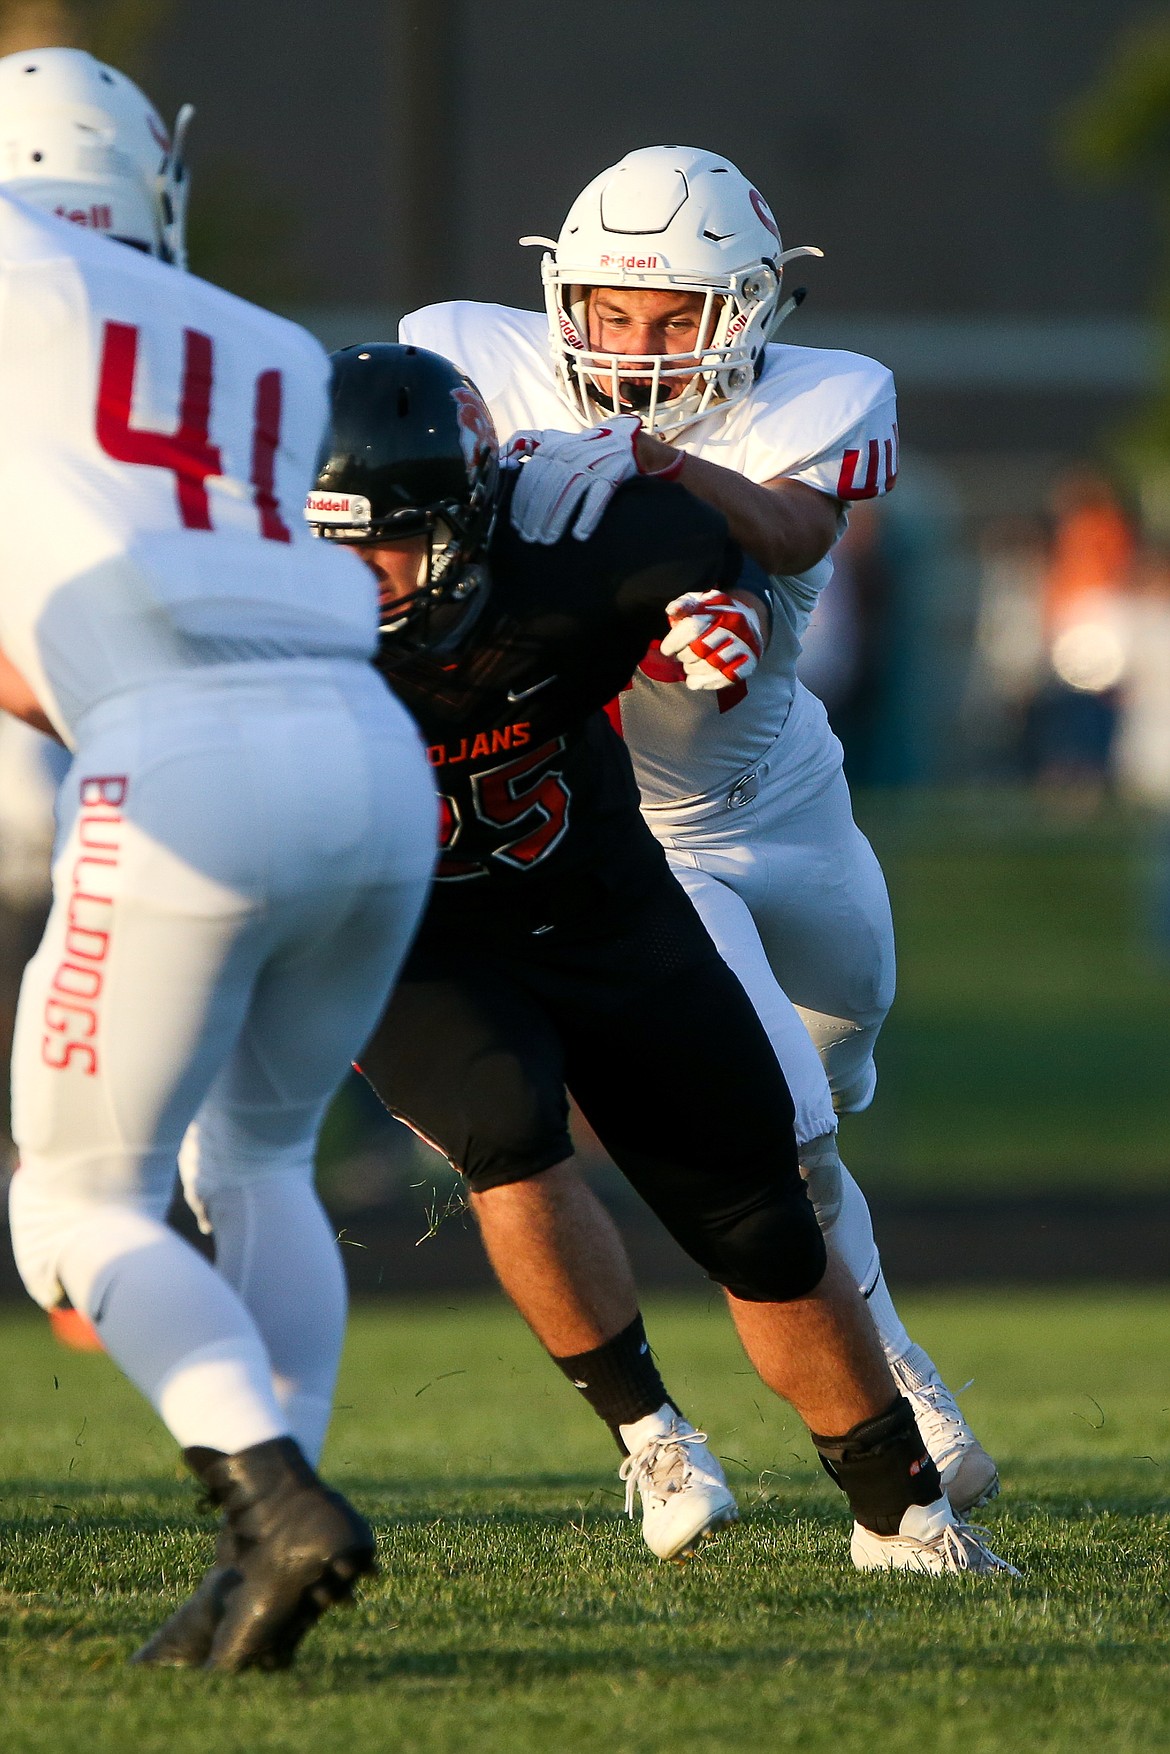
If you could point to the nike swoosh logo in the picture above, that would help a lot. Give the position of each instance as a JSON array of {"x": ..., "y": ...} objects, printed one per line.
[{"x": 514, "y": 698}]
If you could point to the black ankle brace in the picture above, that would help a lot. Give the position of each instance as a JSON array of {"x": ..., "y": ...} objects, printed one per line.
[
  {"x": 882, "y": 1467},
  {"x": 619, "y": 1379}
]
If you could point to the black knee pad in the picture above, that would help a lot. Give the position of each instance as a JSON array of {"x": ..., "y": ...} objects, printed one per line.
[{"x": 770, "y": 1250}]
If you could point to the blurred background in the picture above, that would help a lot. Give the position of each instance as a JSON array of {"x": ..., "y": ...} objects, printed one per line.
[{"x": 992, "y": 193}]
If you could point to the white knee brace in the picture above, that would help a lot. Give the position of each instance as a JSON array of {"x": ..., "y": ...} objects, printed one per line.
[
  {"x": 846, "y": 1051},
  {"x": 842, "y": 1212},
  {"x": 820, "y": 1165}
]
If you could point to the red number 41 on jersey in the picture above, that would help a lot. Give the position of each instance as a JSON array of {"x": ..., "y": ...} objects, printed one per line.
[{"x": 188, "y": 451}]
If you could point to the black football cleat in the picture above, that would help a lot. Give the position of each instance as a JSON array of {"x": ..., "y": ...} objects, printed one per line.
[
  {"x": 184, "y": 1641},
  {"x": 298, "y": 1549}
]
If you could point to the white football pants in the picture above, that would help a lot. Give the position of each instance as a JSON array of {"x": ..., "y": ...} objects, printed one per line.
[
  {"x": 794, "y": 897},
  {"x": 242, "y": 860}
]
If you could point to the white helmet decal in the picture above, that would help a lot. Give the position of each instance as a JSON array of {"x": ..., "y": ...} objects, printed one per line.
[
  {"x": 670, "y": 218},
  {"x": 644, "y": 197},
  {"x": 79, "y": 139}
]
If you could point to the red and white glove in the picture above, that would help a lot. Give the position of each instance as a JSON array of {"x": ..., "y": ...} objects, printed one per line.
[
  {"x": 520, "y": 447},
  {"x": 567, "y": 479},
  {"x": 716, "y": 639}
]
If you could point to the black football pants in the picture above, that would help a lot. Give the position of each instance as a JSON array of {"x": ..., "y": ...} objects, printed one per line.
[{"x": 629, "y": 1005}]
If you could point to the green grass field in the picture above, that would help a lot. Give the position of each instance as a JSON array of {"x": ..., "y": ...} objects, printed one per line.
[
  {"x": 1027, "y": 1046},
  {"x": 517, "y": 1612}
]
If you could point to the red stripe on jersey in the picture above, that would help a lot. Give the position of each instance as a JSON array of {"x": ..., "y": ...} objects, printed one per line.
[{"x": 265, "y": 443}]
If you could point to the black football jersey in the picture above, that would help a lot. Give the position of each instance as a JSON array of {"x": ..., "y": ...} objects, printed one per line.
[{"x": 534, "y": 784}]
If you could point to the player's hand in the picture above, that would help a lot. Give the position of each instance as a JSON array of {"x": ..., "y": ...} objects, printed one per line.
[
  {"x": 520, "y": 447},
  {"x": 717, "y": 639},
  {"x": 568, "y": 478}
]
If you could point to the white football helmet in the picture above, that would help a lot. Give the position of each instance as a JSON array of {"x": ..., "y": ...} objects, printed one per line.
[
  {"x": 671, "y": 218},
  {"x": 79, "y": 139}
]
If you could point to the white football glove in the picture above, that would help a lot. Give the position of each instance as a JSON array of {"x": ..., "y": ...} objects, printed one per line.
[
  {"x": 520, "y": 447},
  {"x": 568, "y": 478},
  {"x": 717, "y": 640}
]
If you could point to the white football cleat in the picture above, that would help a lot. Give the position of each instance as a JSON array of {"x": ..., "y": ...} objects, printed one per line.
[
  {"x": 685, "y": 1498},
  {"x": 930, "y": 1539},
  {"x": 968, "y": 1474}
]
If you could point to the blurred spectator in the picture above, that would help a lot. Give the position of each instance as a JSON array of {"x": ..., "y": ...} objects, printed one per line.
[
  {"x": 1074, "y": 720},
  {"x": 1010, "y": 653},
  {"x": 832, "y": 645},
  {"x": 842, "y": 655},
  {"x": 1142, "y": 746},
  {"x": 1093, "y": 545}
]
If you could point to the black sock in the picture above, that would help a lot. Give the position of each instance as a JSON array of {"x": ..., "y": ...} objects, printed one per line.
[
  {"x": 882, "y": 1467},
  {"x": 619, "y": 1379}
]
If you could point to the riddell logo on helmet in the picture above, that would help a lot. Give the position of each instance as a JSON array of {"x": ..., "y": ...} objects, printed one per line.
[
  {"x": 337, "y": 508},
  {"x": 569, "y": 331},
  {"x": 627, "y": 262},
  {"x": 97, "y": 218}
]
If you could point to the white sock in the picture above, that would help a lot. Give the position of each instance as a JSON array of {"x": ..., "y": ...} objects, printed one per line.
[
  {"x": 917, "y": 1368},
  {"x": 275, "y": 1245},
  {"x": 175, "y": 1327},
  {"x": 895, "y": 1340},
  {"x": 640, "y": 1431},
  {"x": 852, "y": 1237}
]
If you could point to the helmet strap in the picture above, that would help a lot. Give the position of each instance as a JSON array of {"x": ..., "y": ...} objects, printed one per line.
[{"x": 173, "y": 190}]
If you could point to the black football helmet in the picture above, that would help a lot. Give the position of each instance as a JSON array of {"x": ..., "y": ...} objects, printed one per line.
[{"x": 411, "y": 450}]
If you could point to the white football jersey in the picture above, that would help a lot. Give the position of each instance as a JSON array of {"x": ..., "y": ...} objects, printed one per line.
[
  {"x": 157, "y": 439},
  {"x": 815, "y": 415}
]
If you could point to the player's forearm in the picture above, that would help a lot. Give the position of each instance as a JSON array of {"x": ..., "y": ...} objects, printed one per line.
[
  {"x": 785, "y": 525},
  {"x": 17, "y": 698}
]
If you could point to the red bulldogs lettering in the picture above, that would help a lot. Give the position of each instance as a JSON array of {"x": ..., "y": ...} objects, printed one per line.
[{"x": 72, "y": 1013}]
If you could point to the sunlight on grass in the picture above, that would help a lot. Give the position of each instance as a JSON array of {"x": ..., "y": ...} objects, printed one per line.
[{"x": 518, "y": 1611}]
